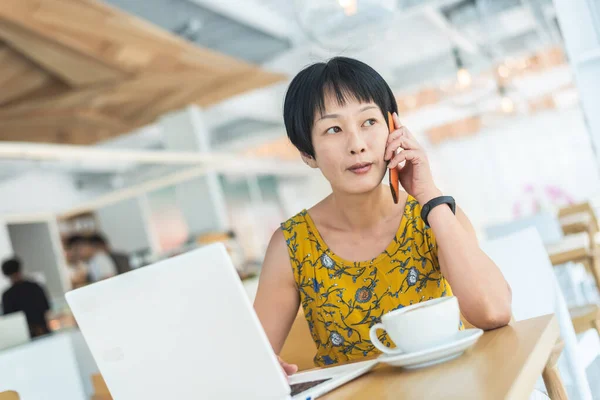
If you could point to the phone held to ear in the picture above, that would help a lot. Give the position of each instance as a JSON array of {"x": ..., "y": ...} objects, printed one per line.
[{"x": 393, "y": 173}]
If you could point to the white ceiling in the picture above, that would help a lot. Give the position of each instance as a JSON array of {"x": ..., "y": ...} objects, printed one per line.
[{"x": 415, "y": 49}]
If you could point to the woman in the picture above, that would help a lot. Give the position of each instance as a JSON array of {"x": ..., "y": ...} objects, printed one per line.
[{"x": 357, "y": 255}]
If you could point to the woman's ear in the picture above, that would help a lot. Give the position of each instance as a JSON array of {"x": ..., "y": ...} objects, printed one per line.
[{"x": 309, "y": 160}]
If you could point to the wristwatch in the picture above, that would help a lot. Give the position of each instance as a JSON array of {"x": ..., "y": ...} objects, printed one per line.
[{"x": 431, "y": 204}]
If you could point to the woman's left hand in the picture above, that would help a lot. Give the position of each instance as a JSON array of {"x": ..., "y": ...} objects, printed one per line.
[{"x": 414, "y": 172}]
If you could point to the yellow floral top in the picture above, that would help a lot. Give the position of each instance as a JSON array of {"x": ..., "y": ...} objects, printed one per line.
[{"x": 343, "y": 299}]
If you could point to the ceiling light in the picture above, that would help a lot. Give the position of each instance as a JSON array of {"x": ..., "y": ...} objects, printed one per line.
[
  {"x": 503, "y": 71},
  {"x": 463, "y": 76},
  {"x": 349, "y": 6},
  {"x": 507, "y": 105},
  {"x": 342, "y": 26}
]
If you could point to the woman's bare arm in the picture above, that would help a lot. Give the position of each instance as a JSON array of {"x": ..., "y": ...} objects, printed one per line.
[
  {"x": 483, "y": 293},
  {"x": 277, "y": 299}
]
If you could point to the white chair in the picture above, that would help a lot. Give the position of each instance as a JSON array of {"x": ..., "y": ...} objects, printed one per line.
[
  {"x": 576, "y": 283},
  {"x": 523, "y": 260},
  {"x": 546, "y": 224}
]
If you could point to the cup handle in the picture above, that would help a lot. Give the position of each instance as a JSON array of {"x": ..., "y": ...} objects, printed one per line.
[{"x": 375, "y": 340}]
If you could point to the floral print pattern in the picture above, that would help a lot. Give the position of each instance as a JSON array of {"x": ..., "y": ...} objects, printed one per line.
[
  {"x": 343, "y": 299},
  {"x": 363, "y": 295}
]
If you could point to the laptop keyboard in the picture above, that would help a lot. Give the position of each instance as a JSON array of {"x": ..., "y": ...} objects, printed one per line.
[{"x": 301, "y": 387}]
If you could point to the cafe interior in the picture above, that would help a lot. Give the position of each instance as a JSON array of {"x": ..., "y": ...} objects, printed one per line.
[{"x": 155, "y": 127}]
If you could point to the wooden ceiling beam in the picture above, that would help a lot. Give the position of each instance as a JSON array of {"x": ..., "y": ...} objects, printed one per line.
[
  {"x": 79, "y": 136},
  {"x": 74, "y": 117},
  {"x": 19, "y": 76},
  {"x": 122, "y": 40},
  {"x": 229, "y": 86},
  {"x": 66, "y": 64},
  {"x": 136, "y": 90},
  {"x": 62, "y": 58},
  {"x": 77, "y": 70}
]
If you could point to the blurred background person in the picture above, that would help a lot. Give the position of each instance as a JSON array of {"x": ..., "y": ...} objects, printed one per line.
[
  {"x": 78, "y": 269},
  {"x": 99, "y": 263},
  {"x": 120, "y": 260},
  {"x": 27, "y": 296}
]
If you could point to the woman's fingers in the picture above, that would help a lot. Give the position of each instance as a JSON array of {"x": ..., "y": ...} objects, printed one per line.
[
  {"x": 391, "y": 148},
  {"x": 413, "y": 156},
  {"x": 395, "y": 135},
  {"x": 289, "y": 369},
  {"x": 404, "y": 142},
  {"x": 397, "y": 122},
  {"x": 401, "y": 130},
  {"x": 400, "y": 138}
]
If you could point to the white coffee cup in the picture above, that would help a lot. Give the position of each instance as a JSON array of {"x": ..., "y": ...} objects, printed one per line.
[{"x": 420, "y": 326}]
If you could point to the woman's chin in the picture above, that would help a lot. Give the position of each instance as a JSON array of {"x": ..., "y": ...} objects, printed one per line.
[{"x": 361, "y": 187}]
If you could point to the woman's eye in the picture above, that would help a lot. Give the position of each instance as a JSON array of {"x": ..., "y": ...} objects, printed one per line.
[
  {"x": 370, "y": 122},
  {"x": 333, "y": 129}
]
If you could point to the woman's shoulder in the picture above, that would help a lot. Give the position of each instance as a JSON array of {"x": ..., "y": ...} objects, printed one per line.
[{"x": 291, "y": 223}]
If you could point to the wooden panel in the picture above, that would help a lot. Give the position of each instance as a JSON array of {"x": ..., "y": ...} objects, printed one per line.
[
  {"x": 43, "y": 123},
  {"x": 78, "y": 66},
  {"x": 452, "y": 130},
  {"x": 72, "y": 67},
  {"x": 19, "y": 76}
]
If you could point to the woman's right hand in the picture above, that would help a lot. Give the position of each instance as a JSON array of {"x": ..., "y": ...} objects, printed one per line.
[{"x": 289, "y": 369}]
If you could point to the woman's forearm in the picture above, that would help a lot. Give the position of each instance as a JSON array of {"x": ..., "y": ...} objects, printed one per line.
[{"x": 483, "y": 293}]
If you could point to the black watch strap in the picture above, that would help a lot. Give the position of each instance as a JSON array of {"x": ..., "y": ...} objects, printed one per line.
[{"x": 431, "y": 204}]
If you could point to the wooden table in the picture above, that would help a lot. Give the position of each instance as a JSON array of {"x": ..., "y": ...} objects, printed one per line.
[{"x": 503, "y": 364}]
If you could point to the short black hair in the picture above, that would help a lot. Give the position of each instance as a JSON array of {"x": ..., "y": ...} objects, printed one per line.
[
  {"x": 75, "y": 240},
  {"x": 342, "y": 76},
  {"x": 11, "y": 266},
  {"x": 98, "y": 240}
]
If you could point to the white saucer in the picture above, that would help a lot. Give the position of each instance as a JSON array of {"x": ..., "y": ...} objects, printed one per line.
[{"x": 435, "y": 355}]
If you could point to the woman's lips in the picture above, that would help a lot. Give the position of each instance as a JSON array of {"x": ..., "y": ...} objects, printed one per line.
[{"x": 360, "y": 169}]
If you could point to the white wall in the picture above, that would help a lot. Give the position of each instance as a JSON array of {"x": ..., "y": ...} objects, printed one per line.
[
  {"x": 302, "y": 193},
  {"x": 580, "y": 26},
  {"x": 38, "y": 192},
  {"x": 36, "y": 248},
  {"x": 488, "y": 174},
  {"x": 6, "y": 251},
  {"x": 202, "y": 203},
  {"x": 200, "y": 200},
  {"x": 125, "y": 225}
]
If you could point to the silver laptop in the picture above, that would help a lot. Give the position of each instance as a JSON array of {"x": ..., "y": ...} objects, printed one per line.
[
  {"x": 184, "y": 328},
  {"x": 14, "y": 330}
]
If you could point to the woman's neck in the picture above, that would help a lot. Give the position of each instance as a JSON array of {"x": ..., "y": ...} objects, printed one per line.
[{"x": 362, "y": 211}]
